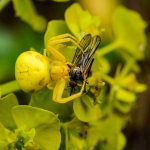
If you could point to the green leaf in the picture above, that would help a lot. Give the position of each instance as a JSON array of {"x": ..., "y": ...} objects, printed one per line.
[
  {"x": 130, "y": 83},
  {"x": 0, "y": 92},
  {"x": 126, "y": 96},
  {"x": 43, "y": 99},
  {"x": 77, "y": 143},
  {"x": 129, "y": 27},
  {"x": 123, "y": 107},
  {"x": 54, "y": 28},
  {"x": 3, "y": 3},
  {"x": 109, "y": 130},
  {"x": 6, "y": 104},
  {"x": 27, "y": 137},
  {"x": 139, "y": 88},
  {"x": 27, "y": 12},
  {"x": 105, "y": 65},
  {"x": 3, "y": 137},
  {"x": 96, "y": 66},
  {"x": 78, "y": 127},
  {"x": 95, "y": 83},
  {"x": 85, "y": 110},
  {"x": 93, "y": 137},
  {"x": 68, "y": 52},
  {"x": 45, "y": 123},
  {"x": 121, "y": 141},
  {"x": 81, "y": 22}
]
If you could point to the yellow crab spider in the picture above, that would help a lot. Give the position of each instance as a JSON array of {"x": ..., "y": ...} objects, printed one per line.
[{"x": 34, "y": 71}]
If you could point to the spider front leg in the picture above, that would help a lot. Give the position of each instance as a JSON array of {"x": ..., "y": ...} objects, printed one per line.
[
  {"x": 56, "y": 54},
  {"x": 61, "y": 39},
  {"x": 44, "y": 54},
  {"x": 58, "y": 41},
  {"x": 63, "y": 36},
  {"x": 58, "y": 91}
]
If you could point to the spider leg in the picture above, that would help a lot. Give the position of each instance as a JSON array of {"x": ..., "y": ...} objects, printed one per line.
[
  {"x": 58, "y": 91},
  {"x": 63, "y": 36},
  {"x": 50, "y": 84}
]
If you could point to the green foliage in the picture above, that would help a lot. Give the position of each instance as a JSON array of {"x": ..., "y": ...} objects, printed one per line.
[
  {"x": 33, "y": 127},
  {"x": 105, "y": 66},
  {"x": 78, "y": 126},
  {"x": 108, "y": 132},
  {"x": 85, "y": 110},
  {"x": 77, "y": 143},
  {"x": 132, "y": 36},
  {"x": 122, "y": 94},
  {"x": 27, "y": 12},
  {"x": 43, "y": 99},
  {"x": 54, "y": 28},
  {"x": 81, "y": 22},
  {"x": 0, "y": 92},
  {"x": 130, "y": 82},
  {"x": 94, "y": 120},
  {"x": 45, "y": 123},
  {"x": 6, "y": 104},
  {"x": 3, "y": 137},
  {"x": 23, "y": 137}
]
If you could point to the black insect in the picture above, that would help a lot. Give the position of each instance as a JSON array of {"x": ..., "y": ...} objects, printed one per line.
[{"x": 82, "y": 63}]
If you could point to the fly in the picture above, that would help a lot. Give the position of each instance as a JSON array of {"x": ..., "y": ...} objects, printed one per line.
[{"x": 82, "y": 63}]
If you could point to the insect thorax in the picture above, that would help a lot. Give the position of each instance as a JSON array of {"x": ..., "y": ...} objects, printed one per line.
[{"x": 76, "y": 74}]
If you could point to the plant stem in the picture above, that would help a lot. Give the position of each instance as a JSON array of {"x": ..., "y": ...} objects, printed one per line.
[
  {"x": 111, "y": 47},
  {"x": 66, "y": 132},
  {"x": 108, "y": 79},
  {"x": 128, "y": 66},
  {"x": 65, "y": 127},
  {"x": 9, "y": 87}
]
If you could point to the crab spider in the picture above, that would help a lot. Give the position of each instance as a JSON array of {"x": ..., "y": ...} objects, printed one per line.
[{"x": 34, "y": 71}]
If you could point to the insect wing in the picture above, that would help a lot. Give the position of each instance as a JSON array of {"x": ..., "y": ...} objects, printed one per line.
[
  {"x": 84, "y": 44},
  {"x": 95, "y": 41},
  {"x": 94, "y": 45}
]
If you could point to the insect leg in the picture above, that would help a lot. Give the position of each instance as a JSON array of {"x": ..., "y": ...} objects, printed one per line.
[
  {"x": 69, "y": 64},
  {"x": 84, "y": 88}
]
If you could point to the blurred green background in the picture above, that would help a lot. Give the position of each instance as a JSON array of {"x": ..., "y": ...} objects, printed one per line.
[{"x": 17, "y": 36}]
